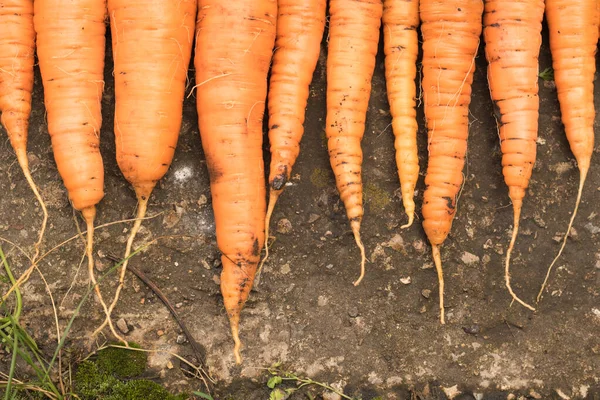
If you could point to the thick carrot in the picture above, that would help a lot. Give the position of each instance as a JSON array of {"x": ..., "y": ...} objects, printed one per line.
[
  {"x": 353, "y": 40},
  {"x": 401, "y": 46},
  {"x": 451, "y": 31},
  {"x": 71, "y": 48},
  {"x": 152, "y": 46},
  {"x": 300, "y": 27},
  {"x": 234, "y": 45},
  {"x": 573, "y": 28},
  {"x": 512, "y": 33},
  {"x": 17, "y": 48}
]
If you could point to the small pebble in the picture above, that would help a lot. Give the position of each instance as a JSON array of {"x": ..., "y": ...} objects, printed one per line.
[
  {"x": 426, "y": 293},
  {"x": 284, "y": 226},
  {"x": 469, "y": 258},
  {"x": 122, "y": 325},
  {"x": 285, "y": 269},
  {"x": 180, "y": 339},
  {"x": 591, "y": 228},
  {"x": 406, "y": 280},
  {"x": 169, "y": 365},
  {"x": 202, "y": 200},
  {"x": 312, "y": 218},
  {"x": 471, "y": 329},
  {"x": 178, "y": 305},
  {"x": 329, "y": 266},
  {"x": 396, "y": 243},
  {"x": 353, "y": 312},
  {"x": 160, "y": 332}
]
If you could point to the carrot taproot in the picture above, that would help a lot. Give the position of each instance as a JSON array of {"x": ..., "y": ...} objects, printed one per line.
[
  {"x": 150, "y": 81},
  {"x": 401, "y": 47},
  {"x": 300, "y": 27},
  {"x": 234, "y": 45},
  {"x": 353, "y": 41},
  {"x": 512, "y": 34},
  {"x": 71, "y": 49},
  {"x": 17, "y": 51},
  {"x": 573, "y": 30},
  {"x": 451, "y": 31}
]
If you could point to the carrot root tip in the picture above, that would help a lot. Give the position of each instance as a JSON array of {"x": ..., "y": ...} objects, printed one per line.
[
  {"x": 437, "y": 259},
  {"x": 363, "y": 258}
]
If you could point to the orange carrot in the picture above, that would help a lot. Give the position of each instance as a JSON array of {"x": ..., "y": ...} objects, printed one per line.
[
  {"x": 353, "y": 40},
  {"x": 300, "y": 27},
  {"x": 17, "y": 48},
  {"x": 451, "y": 30},
  {"x": 150, "y": 78},
  {"x": 512, "y": 46},
  {"x": 573, "y": 30},
  {"x": 234, "y": 45},
  {"x": 401, "y": 46},
  {"x": 71, "y": 48}
]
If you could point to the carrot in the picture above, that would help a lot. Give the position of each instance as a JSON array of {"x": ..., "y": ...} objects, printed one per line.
[
  {"x": 300, "y": 27},
  {"x": 401, "y": 46},
  {"x": 71, "y": 48},
  {"x": 573, "y": 30},
  {"x": 512, "y": 45},
  {"x": 353, "y": 40},
  {"x": 17, "y": 48},
  {"x": 234, "y": 45},
  {"x": 152, "y": 47},
  {"x": 451, "y": 31}
]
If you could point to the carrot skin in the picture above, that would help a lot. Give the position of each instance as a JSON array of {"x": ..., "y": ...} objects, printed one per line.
[
  {"x": 448, "y": 67},
  {"x": 300, "y": 27},
  {"x": 573, "y": 28},
  {"x": 234, "y": 45},
  {"x": 451, "y": 31},
  {"x": 71, "y": 60},
  {"x": 512, "y": 33},
  {"x": 353, "y": 41},
  {"x": 17, "y": 48},
  {"x": 401, "y": 45}
]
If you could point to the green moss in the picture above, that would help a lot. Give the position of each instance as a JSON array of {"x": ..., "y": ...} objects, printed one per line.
[
  {"x": 122, "y": 363},
  {"x": 142, "y": 390},
  {"x": 319, "y": 178},
  {"x": 91, "y": 383},
  {"x": 375, "y": 197}
]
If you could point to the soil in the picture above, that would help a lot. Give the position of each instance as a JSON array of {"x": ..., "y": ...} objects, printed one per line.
[{"x": 382, "y": 338}]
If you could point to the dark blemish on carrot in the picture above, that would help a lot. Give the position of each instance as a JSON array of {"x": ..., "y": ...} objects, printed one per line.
[
  {"x": 495, "y": 25},
  {"x": 255, "y": 248},
  {"x": 279, "y": 181},
  {"x": 274, "y": 126},
  {"x": 449, "y": 204}
]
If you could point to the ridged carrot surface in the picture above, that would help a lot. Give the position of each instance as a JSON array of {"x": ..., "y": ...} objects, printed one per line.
[
  {"x": 17, "y": 51},
  {"x": 71, "y": 48},
  {"x": 573, "y": 28},
  {"x": 451, "y": 31},
  {"x": 300, "y": 27},
  {"x": 401, "y": 47},
  {"x": 150, "y": 81},
  {"x": 512, "y": 33},
  {"x": 353, "y": 40},
  {"x": 234, "y": 46}
]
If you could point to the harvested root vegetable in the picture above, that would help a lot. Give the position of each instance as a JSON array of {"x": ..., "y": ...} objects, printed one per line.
[
  {"x": 401, "y": 46},
  {"x": 512, "y": 34},
  {"x": 150, "y": 79},
  {"x": 573, "y": 30},
  {"x": 353, "y": 41},
  {"x": 71, "y": 48},
  {"x": 451, "y": 31},
  {"x": 17, "y": 51},
  {"x": 300, "y": 27},
  {"x": 234, "y": 46}
]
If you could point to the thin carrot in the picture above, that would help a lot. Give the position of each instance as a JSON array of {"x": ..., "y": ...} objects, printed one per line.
[
  {"x": 512, "y": 33},
  {"x": 300, "y": 27},
  {"x": 451, "y": 31},
  {"x": 573, "y": 30},
  {"x": 152, "y": 47},
  {"x": 17, "y": 50},
  {"x": 234, "y": 45},
  {"x": 71, "y": 48},
  {"x": 353, "y": 40},
  {"x": 401, "y": 46}
]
